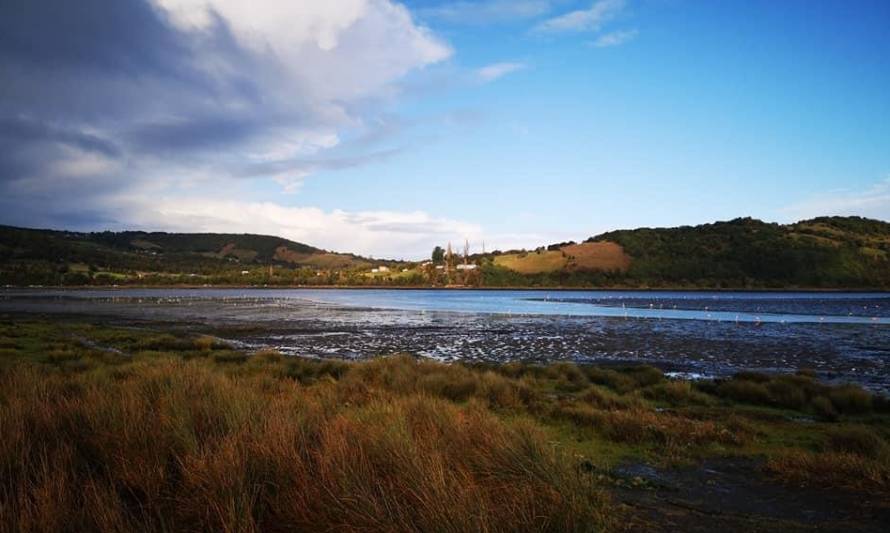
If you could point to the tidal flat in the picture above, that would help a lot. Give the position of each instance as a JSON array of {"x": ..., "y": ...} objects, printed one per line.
[{"x": 841, "y": 337}]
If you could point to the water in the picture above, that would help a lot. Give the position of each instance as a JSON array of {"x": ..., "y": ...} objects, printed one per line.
[
  {"x": 776, "y": 307},
  {"x": 843, "y": 336}
]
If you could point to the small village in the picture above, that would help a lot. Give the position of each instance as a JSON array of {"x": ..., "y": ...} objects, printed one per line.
[{"x": 445, "y": 268}]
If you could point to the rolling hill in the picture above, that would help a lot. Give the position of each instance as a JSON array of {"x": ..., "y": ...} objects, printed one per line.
[
  {"x": 825, "y": 252},
  {"x": 32, "y": 256},
  {"x": 828, "y": 252}
]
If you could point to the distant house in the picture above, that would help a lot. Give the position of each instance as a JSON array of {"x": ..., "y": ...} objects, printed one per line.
[
  {"x": 440, "y": 267},
  {"x": 383, "y": 269},
  {"x": 375, "y": 270},
  {"x": 404, "y": 270},
  {"x": 467, "y": 267}
]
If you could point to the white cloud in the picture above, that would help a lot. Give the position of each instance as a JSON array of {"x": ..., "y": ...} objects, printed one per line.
[
  {"x": 327, "y": 51},
  {"x": 615, "y": 38},
  {"x": 498, "y": 70},
  {"x": 197, "y": 96},
  {"x": 591, "y": 19},
  {"x": 381, "y": 233},
  {"x": 873, "y": 202},
  {"x": 487, "y": 11}
]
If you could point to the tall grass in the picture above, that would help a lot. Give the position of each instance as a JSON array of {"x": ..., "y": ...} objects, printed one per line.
[
  {"x": 179, "y": 445},
  {"x": 169, "y": 432}
]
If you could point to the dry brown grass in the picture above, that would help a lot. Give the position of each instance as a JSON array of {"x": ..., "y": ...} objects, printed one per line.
[
  {"x": 325, "y": 260},
  {"x": 178, "y": 433},
  {"x": 607, "y": 256},
  {"x": 604, "y": 255},
  {"x": 837, "y": 470},
  {"x": 533, "y": 262},
  {"x": 175, "y": 445}
]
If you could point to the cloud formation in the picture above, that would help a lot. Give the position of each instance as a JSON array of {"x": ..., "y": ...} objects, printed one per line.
[
  {"x": 110, "y": 99},
  {"x": 487, "y": 11},
  {"x": 498, "y": 70},
  {"x": 615, "y": 38},
  {"x": 409, "y": 234},
  {"x": 583, "y": 20},
  {"x": 873, "y": 202}
]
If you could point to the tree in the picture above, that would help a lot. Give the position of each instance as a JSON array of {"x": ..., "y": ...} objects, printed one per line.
[{"x": 438, "y": 255}]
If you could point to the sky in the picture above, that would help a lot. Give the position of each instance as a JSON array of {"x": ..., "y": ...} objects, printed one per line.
[{"x": 387, "y": 127}]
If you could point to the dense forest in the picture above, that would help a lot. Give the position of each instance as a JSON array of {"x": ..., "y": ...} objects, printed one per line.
[{"x": 825, "y": 252}]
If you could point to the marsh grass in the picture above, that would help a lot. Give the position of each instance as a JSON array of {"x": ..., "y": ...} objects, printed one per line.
[{"x": 169, "y": 431}]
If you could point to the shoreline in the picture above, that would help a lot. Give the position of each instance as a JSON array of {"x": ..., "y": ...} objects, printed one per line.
[{"x": 813, "y": 290}]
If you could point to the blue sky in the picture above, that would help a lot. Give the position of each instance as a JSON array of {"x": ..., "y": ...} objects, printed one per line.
[{"x": 386, "y": 128}]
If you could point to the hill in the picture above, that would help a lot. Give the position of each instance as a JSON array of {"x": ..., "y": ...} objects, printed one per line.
[
  {"x": 825, "y": 252},
  {"x": 34, "y": 256}
]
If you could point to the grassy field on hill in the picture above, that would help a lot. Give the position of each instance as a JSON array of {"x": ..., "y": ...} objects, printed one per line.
[
  {"x": 147, "y": 428},
  {"x": 588, "y": 256}
]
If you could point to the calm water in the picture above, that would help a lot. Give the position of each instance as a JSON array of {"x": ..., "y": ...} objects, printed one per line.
[
  {"x": 778, "y": 307},
  {"x": 843, "y": 336}
]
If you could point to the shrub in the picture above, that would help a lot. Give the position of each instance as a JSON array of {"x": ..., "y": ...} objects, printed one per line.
[
  {"x": 568, "y": 371},
  {"x": 603, "y": 398},
  {"x": 787, "y": 393},
  {"x": 204, "y": 343},
  {"x": 823, "y": 408},
  {"x": 748, "y": 391},
  {"x": 230, "y": 357},
  {"x": 881, "y": 403},
  {"x": 851, "y": 399},
  {"x": 268, "y": 357},
  {"x": 454, "y": 388},
  {"x": 858, "y": 440},
  {"x": 163, "y": 342},
  {"x": 308, "y": 371},
  {"x": 677, "y": 393},
  {"x": 807, "y": 373},
  {"x": 645, "y": 375},
  {"x": 614, "y": 380},
  {"x": 756, "y": 377}
]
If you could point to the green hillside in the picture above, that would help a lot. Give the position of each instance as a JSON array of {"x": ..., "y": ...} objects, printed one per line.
[
  {"x": 825, "y": 252},
  {"x": 31, "y": 256}
]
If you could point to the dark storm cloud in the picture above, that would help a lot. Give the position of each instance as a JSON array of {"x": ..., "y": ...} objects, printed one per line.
[
  {"x": 70, "y": 69},
  {"x": 20, "y": 130},
  {"x": 107, "y": 35}
]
